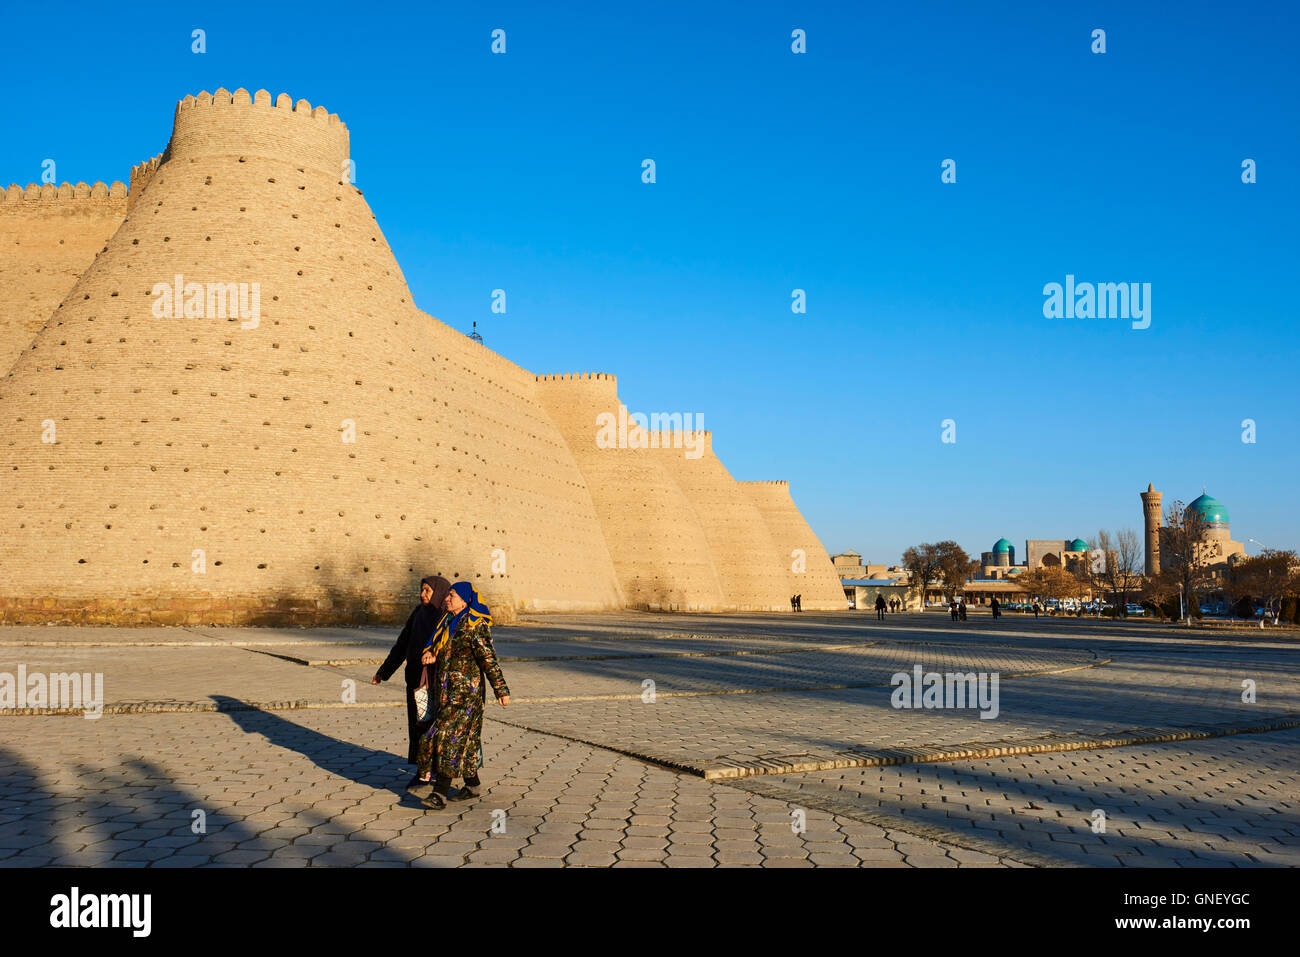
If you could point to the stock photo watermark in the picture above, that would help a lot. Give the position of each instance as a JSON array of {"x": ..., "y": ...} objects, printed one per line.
[
  {"x": 948, "y": 691},
  {"x": 60, "y": 690}
]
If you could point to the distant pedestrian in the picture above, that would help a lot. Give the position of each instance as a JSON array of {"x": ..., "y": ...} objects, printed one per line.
[
  {"x": 952, "y": 607},
  {"x": 880, "y": 607},
  {"x": 996, "y": 608},
  {"x": 1035, "y": 608},
  {"x": 792, "y": 608},
  {"x": 961, "y": 610},
  {"x": 798, "y": 602}
]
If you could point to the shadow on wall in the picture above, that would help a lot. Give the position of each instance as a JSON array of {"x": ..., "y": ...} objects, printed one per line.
[{"x": 333, "y": 597}]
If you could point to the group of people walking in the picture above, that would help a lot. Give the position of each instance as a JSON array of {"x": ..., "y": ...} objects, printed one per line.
[
  {"x": 446, "y": 646},
  {"x": 883, "y": 605}
]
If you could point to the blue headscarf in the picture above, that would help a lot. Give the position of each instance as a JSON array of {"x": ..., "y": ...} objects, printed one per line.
[{"x": 474, "y": 610}]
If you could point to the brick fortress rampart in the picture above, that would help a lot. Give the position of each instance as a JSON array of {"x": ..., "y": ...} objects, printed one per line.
[{"x": 309, "y": 466}]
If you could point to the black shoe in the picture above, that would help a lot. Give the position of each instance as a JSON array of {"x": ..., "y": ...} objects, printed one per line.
[
  {"x": 463, "y": 794},
  {"x": 434, "y": 801}
]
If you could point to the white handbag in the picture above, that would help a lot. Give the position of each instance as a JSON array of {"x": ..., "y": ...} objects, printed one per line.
[
  {"x": 422, "y": 709},
  {"x": 423, "y": 706}
]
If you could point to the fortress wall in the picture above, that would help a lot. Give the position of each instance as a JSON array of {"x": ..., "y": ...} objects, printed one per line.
[
  {"x": 252, "y": 126},
  {"x": 177, "y": 434},
  {"x": 141, "y": 176},
  {"x": 48, "y": 237},
  {"x": 817, "y": 582},
  {"x": 655, "y": 537},
  {"x": 308, "y": 464},
  {"x": 558, "y": 558},
  {"x": 750, "y": 567}
]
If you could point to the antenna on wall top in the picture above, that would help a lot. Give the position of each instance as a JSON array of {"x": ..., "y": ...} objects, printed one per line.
[{"x": 474, "y": 334}]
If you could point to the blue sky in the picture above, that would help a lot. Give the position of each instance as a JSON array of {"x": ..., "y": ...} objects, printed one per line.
[{"x": 819, "y": 171}]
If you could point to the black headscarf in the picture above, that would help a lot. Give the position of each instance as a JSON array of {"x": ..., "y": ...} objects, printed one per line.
[{"x": 426, "y": 617}]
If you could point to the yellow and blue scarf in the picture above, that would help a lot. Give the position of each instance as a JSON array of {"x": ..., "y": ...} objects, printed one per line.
[{"x": 474, "y": 610}]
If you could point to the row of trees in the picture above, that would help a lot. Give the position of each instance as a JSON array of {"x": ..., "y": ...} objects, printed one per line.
[{"x": 1114, "y": 568}]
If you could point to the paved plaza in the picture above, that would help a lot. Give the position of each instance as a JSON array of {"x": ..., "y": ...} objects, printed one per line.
[{"x": 639, "y": 739}]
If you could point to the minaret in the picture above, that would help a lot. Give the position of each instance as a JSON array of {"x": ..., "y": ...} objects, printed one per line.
[{"x": 1151, "y": 516}]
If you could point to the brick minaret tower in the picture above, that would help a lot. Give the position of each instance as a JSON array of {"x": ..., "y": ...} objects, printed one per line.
[{"x": 1151, "y": 516}]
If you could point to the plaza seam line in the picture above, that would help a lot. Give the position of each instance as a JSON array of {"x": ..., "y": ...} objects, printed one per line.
[
  {"x": 159, "y": 707},
  {"x": 891, "y": 823},
  {"x": 347, "y": 662},
  {"x": 929, "y": 755}
]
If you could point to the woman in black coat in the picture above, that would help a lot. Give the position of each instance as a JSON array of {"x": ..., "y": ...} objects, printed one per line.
[{"x": 408, "y": 648}]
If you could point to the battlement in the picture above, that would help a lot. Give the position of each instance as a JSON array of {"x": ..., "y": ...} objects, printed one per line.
[
  {"x": 39, "y": 196},
  {"x": 240, "y": 123},
  {"x": 776, "y": 482},
  {"x": 141, "y": 174},
  {"x": 578, "y": 377},
  {"x": 260, "y": 100}
]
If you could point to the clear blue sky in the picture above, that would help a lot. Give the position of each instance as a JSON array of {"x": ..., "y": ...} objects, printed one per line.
[{"x": 818, "y": 171}]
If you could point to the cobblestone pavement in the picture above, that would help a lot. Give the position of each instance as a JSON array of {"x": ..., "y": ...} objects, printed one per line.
[
  {"x": 580, "y": 768},
  {"x": 322, "y": 787}
]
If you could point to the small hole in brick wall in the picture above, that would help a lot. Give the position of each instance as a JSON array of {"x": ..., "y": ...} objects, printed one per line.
[
  {"x": 207, "y": 239},
  {"x": 194, "y": 209},
  {"x": 81, "y": 561},
  {"x": 261, "y": 565},
  {"x": 135, "y": 242},
  {"x": 299, "y": 273},
  {"x": 302, "y": 187},
  {"x": 243, "y": 209},
  {"x": 145, "y": 562},
  {"x": 271, "y": 179},
  {"x": 297, "y": 249},
  {"x": 167, "y": 239},
  {"x": 295, "y": 215},
  {"x": 216, "y": 563},
  {"x": 241, "y": 159},
  {"x": 317, "y": 567}
]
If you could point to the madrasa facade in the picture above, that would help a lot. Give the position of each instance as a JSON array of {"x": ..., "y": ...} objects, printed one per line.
[{"x": 220, "y": 405}]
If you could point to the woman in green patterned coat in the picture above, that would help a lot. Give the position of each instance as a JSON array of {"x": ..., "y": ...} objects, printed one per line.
[{"x": 466, "y": 662}]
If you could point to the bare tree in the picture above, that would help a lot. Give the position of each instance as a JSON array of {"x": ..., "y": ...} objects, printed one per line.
[
  {"x": 1183, "y": 554},
  {"x": 1121, "y": 567},
  {"x": 922, "y": 564}
]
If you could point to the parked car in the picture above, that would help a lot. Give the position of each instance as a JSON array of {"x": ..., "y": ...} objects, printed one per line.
[{"x": 1134, "y": 611}]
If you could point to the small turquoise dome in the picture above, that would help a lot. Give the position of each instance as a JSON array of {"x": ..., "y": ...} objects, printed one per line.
[
  {"x": 1210, "y": 510},
  {"x": 1002, "y": 547},
  {"x": 1078, "y": 545}
]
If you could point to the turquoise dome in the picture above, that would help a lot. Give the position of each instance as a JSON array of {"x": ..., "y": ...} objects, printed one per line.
[
  {"x": 1210, "y": 510},
  {"x": 1078, "y": 545},
  {"x": 1002, "y": 547}
]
